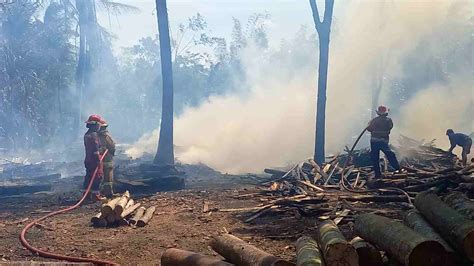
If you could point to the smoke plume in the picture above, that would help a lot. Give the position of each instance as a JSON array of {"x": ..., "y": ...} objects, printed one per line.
[{"x": 273, "y": 124}]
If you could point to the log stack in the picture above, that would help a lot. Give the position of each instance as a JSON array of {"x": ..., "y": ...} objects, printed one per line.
[{"x": 122, "y": 210}]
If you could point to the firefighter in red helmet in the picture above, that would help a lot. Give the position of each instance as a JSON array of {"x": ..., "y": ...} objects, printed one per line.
[
  {"x": 92, "y": 148},
  {"x": 107, "y": 143},
  {"x": 380, "y": 128}
]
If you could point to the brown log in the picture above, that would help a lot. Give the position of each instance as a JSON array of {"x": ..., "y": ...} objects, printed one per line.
[
  {"x": 130, "y": 210},
  {"x": 120, "y": 206},
  {"x": 99, "y": 220},
  {"x": 238, "y": 252},
  {"x": 368, "y": 254},
  {"x": 415, "y": 221},
  {"x": 336, "y": 250},
  {"x": 401, "y": 242},
  {"x": 146, "y": 217},
  {"x": 453, "y": 226},
  {"x": 179, "y": 257},
  {"x": 461, "y": 204},
  {"x": 108, "y": 208},
  {"x": 137, "y": 215},
  {"x": 308, "y": 252},
  {"x": 111, "y": 219}
]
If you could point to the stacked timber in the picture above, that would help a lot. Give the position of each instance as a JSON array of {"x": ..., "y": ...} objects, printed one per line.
[{"x": 122, "y": 210}]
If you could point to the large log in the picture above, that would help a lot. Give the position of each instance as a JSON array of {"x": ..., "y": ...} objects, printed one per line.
[
  {"x": 461, "y": 204},
  {"x": 120, "y": 206},
  {"x": 368, "y": 254},
  {"x": 336, "y": 250},
  {"x": 137, "y": 215},
  {"x": 401, "y": 242},
  {"x": 179, "y": 257},
  {"x": 130, "y": 210},
  {"x": 308, "y": 252},
  {"x": 453, "y": 226},
  {"x": 146, "y": 217},
  {"x": 108, "y": 208},
  {"x": 240, "y": 253},
  {"x": 415, "y": 221}
]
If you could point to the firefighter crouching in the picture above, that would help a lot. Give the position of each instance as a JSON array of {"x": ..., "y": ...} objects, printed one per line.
[{"x": 107, "y": 143}]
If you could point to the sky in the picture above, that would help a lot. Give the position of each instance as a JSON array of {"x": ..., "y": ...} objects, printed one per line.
[{"x": 286, "y": 17}]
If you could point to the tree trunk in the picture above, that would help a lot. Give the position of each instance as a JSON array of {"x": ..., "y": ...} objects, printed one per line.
[
  {"x": 336, "y": 250},
  {"x": 308, "y": 252},
  {"x": 368, "y": 254},
  {"x": 165, "y": 153},
  {"x": 179, "y": 257},
  {"x": 407, "y": 246},
  {"x": 240, "y": 253},
  {"x": 324, "y": 29},
  {"x": 461, "y": 204},
  {"x": 453, "y": 226},
  {"x": 415, "y": 221}
]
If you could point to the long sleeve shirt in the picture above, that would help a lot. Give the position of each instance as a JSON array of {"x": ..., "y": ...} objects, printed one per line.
[
  {"x": 92, "y": 146},
  {"x": 458, "y": 139},
  {"x": 380, "y": 127}
]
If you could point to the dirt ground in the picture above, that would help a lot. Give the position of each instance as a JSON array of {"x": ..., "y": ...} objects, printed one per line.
[{"x": 179, "y": 222}]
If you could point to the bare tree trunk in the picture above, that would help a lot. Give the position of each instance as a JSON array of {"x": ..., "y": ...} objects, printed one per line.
[
  {"x": 165, "y": 153},
  {"x": 324, "y": 29}
]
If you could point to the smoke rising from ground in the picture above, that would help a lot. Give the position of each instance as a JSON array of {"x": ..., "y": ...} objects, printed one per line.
[{"x": 273, "y": 124}]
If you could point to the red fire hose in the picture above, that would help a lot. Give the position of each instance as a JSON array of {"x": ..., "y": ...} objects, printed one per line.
[{"x": 46, "y": 254}]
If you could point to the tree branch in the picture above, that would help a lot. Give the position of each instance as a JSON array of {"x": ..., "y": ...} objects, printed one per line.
[
  {"x": 328, "y": 13},
  {"x": 314, "y": 8}
]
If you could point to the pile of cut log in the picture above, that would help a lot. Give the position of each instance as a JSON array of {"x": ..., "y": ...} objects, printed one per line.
[
  {"x": 436, "y": 232},
  {"x": 123, "y": 210},
  {"x": 425, "y": 167}
]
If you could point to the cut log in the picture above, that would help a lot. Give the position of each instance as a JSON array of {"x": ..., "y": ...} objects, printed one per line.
[
  {"x": 461, "y": 204},
  {"x": 146, "y": 217},
  {"x": 401, "y": 242},
  {"x": 368, "y": 254},
  {"x": 179, "y": 257},
  {"x": 130, "y": 202},
  {"x": 130, "y": 210},
  {"x": 137, "y": 215},
  {"x": 120, "y": 206},
  {"x": 452, "y": 226},
  {"x": 415, "y": 221},
  {"x": 99, "y": 220},
  {"x": 111, "y": 219},
  {"x": 308, "y": 252},
  {"x": 238, "y": 252},
  {"x": 108, "y": 208},
  {"x": 336, "y": 250}
]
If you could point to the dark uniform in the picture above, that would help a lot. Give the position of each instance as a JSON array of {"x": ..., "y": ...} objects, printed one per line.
[
  {"x": 462, "y": 140},
  {"x": 380, "y": 128},
  {"x": 106, "y": 142},
  {"x": 91, "y": 162}
]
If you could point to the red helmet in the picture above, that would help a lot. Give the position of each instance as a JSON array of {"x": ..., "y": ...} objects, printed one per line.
[
  {"x": 103, "y": 122},
  {"x": 94, "y": 119},
  {"x": 382, "y": 110}
]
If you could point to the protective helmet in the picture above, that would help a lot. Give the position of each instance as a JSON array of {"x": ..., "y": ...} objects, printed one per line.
[
  {"x": 94, "y": 119},
  {"x": 449, "y": 132},
  {"x": 382, "y": 110},
  {"x": 103, "y": 123}
]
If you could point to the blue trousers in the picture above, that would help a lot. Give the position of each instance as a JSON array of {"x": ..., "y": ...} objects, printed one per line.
[{"x": 381, "y": 145}]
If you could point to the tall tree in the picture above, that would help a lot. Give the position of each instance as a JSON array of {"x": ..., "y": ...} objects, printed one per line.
[
  {"x": 324, "y": 29},
  {"x": 165, "y": 153}
]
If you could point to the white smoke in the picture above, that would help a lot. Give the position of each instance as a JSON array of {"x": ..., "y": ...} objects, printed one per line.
[{"x": 274, "y": 124}]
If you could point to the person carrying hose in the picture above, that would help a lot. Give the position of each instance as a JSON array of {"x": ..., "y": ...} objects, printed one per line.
[
  {"x": 92, "y": 154},
  {"x": 380, "y": 128},
  {"x": 107, "y": 143}
]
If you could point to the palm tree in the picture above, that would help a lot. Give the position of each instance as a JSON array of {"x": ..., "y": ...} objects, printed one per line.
[{"x": 165, "y": 154}]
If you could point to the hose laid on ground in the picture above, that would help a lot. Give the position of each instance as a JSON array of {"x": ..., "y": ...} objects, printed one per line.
[
  {"x": 47, "y": 254},
  {"x": 343, "y": 181}
]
